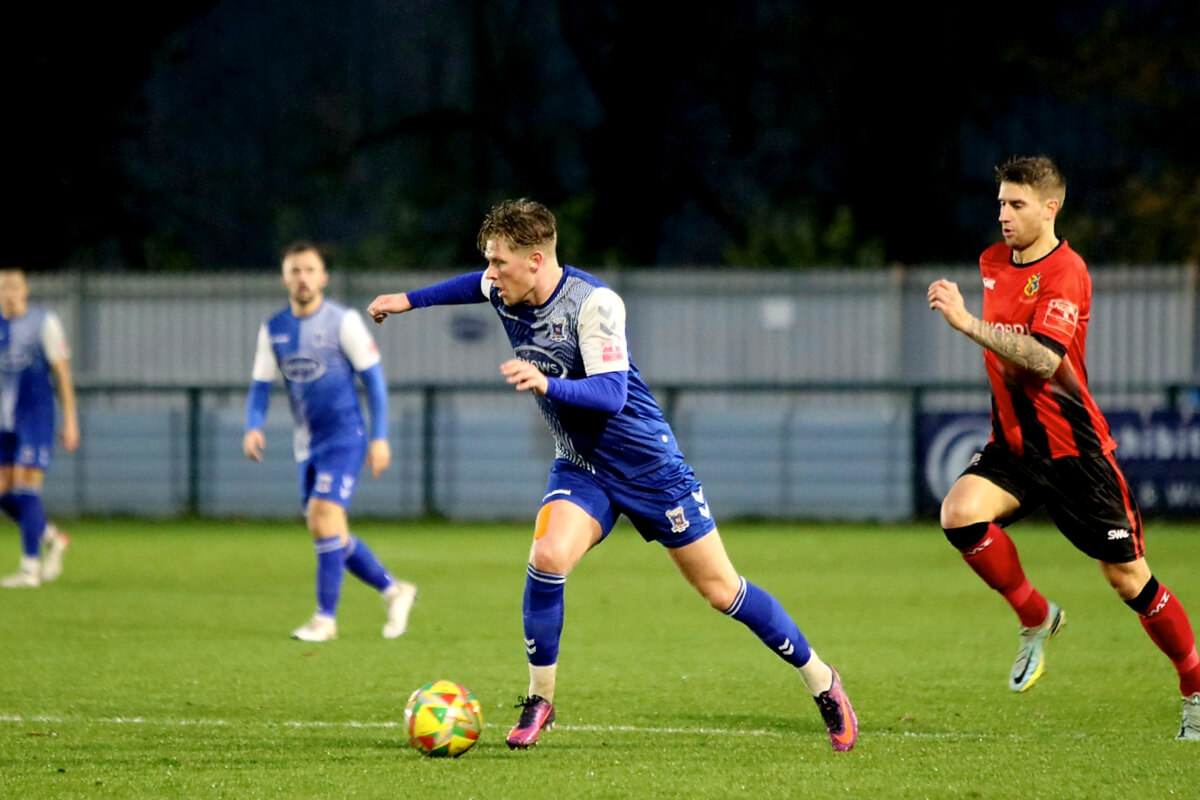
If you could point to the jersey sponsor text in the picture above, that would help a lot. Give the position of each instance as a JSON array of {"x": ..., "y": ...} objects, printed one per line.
[{"x": 1011, "y": 327}]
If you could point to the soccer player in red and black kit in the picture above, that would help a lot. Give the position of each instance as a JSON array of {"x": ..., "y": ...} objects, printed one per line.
[{"x": 1050, "y": 443}]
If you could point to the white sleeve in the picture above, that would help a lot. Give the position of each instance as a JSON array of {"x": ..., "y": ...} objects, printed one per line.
[
  {"x": 485, "y": 286},
  {"x": 266, "y": 368},
  {"x": 54, "y": 339},
  {"x": 357, "y": 343},
  {"x": 601, "y": 330}
]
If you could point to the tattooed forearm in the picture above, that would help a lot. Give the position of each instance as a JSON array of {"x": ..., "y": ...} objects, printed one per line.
[{"x": 1019, "y": 348}]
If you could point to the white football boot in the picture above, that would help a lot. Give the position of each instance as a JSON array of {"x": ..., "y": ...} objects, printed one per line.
[
  {"x": 320, "y": 628},
  {"x": 54, "y": 544},
  {"x": 399, "y": 598},
  {"x": 26, "y": 577}
]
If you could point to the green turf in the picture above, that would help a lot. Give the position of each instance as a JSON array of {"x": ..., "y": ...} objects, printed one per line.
[{"x": 159, "y": 666}]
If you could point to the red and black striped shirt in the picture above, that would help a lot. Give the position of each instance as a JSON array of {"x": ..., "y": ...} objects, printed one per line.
[{"x": 1050, "y": 298}]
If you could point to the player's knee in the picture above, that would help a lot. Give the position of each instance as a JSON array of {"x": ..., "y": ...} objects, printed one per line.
[
  {"x": 551, "y": 555},
  {"x": 1126, "y": 588},
  {"x": 959, "y": 512},
  {"x": 325, "y": 520},
  {"x": 1122, "y": 585},
  {"x": 1128, "y": 580},
  {"x": 720, "y": 594}
]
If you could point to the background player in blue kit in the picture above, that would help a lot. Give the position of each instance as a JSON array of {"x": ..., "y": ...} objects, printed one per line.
[
  {"x": 615, "y": 454},
  {"x": 318, "y": 346},
  {"x": 33, "y": 347}
]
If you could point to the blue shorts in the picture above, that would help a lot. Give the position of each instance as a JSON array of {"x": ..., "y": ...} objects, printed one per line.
[
  {"x": 26, "y": 451},
  {"x": 667, "y": 506},
  {"x": 331, "y": 474}
]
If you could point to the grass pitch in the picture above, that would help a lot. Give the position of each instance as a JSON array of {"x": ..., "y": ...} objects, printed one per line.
[{"x": 160, "y": 666}]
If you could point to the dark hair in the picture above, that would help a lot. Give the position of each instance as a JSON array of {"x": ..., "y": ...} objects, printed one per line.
[
  {"x": 1038, "y": 172},
  {"x": 301, "y": 246},
  {"x": 521, "y": 223}
]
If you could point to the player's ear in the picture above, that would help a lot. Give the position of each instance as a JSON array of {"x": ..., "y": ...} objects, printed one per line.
[{"x": 536, "y": 259}]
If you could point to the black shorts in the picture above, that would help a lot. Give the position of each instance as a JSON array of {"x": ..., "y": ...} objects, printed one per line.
[{"x": 1086, "y": 496}]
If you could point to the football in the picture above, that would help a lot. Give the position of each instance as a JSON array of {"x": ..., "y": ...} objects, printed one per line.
[{"x": 443, "y": 718}]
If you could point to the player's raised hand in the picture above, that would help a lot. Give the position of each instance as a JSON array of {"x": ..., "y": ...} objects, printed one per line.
[
  {"x": 379, "y": 456},
  {"x": 944, "y": 296},
  {"x": 386, "y": 304},
  {"x": 523, "y": 376},
  {"x": 253, "y": 443}
]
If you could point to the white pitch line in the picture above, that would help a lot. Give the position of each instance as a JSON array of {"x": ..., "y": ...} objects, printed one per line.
[
  {"x": 221, "y": 723},
  {"x": 214, "y": 723}
]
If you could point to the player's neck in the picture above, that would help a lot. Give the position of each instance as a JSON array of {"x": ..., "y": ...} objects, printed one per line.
[
  {"x": 548, "y": 278},
  {"x": 309, "y": 308},
  {"x": 14, "y": 313},
  {"x": 1043, "y": 246}
]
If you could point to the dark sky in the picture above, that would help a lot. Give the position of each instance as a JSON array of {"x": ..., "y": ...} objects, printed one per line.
[
  {"x": 71, "y": 74},
  {"x": 205, "y": 135}
]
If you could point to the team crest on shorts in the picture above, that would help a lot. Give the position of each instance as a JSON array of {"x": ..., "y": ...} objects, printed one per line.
[{"x": 679, "y": 522}]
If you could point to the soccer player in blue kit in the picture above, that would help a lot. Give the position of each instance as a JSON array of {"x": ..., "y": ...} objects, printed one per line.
[
  {"x": 614, "y": 454},
  {"x": 318, "y": 346},
  {"x": 33, "y": 347}
]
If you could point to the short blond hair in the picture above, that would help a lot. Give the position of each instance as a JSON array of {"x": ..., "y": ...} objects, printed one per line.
[{"x": 523, "y": 223}]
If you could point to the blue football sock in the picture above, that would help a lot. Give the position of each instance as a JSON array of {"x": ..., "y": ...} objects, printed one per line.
[
  {"x": 759, "y": 611},
  {"x": 362, "y": 564},
  {"x": 543, "y": 611},
  {"x": 31, "y": 519},
  {"x": 331, "y": 562}
]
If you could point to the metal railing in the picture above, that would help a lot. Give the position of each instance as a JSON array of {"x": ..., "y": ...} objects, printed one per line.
[{"x": 194, "y": 402}]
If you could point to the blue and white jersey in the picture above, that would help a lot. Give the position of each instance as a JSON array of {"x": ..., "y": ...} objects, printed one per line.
[
  {"x": 317, "y": 356},
  {"x": 28, "y": 345},
  {"x": 580, "y": 332}
]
